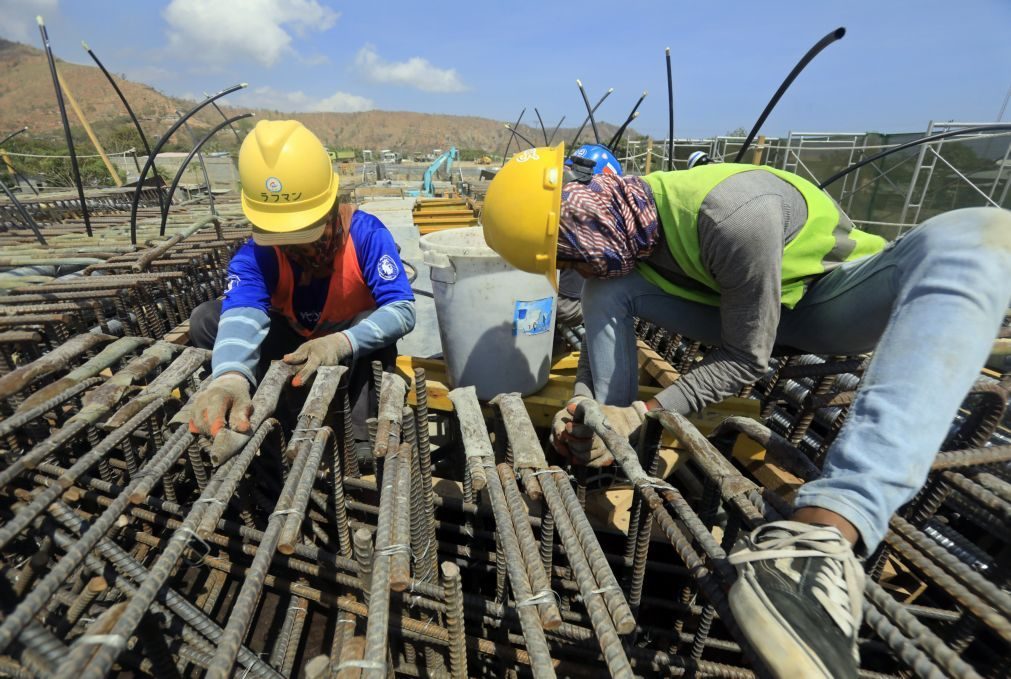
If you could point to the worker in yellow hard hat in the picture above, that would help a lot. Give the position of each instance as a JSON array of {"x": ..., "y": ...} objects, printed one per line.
[
  {"x": 303, "y": 287},
  {"x": 742, "y": 259}
]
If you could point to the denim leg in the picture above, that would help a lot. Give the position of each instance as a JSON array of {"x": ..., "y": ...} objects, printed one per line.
[
  {"x": 951, "y": 279},
  {"x": 609, "y": 308}
]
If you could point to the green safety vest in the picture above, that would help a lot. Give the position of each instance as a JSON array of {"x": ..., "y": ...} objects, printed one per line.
[{"x": 823, "y": 240}]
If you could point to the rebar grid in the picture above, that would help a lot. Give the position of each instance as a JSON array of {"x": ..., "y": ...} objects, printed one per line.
[{"x": 266, "y": 544}]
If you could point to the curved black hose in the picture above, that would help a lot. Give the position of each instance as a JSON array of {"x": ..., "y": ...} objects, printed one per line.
[
  {"x": 12, "y": 135},
  {"x": 129, "y": 110},
  {"x": 587, "y": 119},
  {"x": 804, "y": 61},
  {"x": 631, "y": 116},
  {"x": 517, "y": 133},
  {"x": 17, "y": 174},
  {"x": 914, "y": 142},
  {"x": 670, "y": 113},
  {"x": 186, "y": 161},
  {"x": 66, "y": 124},
  {"x": 541, "y": 122},
  {"x": 589, "y": 111},
  {"x": 203, "y": 170},
  {"x": 509, "y": 143},
  {"x": 161, "y": 142},
  {"x": 555, "y": 131},
  {"x": 217, "y": 108},
  {"x": 24, "y": 214}
]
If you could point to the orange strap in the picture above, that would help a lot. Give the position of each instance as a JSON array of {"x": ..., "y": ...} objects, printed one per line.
[{"x": 347, "y": 295}]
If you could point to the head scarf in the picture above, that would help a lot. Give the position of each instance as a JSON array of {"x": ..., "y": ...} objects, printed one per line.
[
  {"x": 610, "y": 224},
  {"x": 318, "y": 262}
]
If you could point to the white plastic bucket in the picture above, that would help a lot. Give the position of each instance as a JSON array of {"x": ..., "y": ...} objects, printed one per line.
[{"x": 496, "y": 323}]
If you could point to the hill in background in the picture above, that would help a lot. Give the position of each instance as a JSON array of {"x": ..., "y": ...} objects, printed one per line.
[{"x": 27, "y": 98}]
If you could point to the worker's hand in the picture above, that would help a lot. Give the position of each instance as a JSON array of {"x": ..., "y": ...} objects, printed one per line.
[
  {"x": 225, "y": 399},
  {"x": 329, "y": 350},
  {"x": 570, "y": 438},
  {"x": 578, "y": 442}
]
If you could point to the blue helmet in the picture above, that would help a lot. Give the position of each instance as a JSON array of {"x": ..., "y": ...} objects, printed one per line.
[
  {"x": 602, "y": 158},
  {"x": 698, "y": 158}
]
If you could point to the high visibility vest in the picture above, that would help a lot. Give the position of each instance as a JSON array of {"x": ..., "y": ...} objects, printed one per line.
[
  {"x": 822, "y": 241},
  {"x": 347, "y": 295}
]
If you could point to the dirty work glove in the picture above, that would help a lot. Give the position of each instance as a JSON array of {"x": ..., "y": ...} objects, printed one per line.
[
  {"x": 225, "y": 399},
  {"x": 328, "y": 350},
  {"x": 577, "y": 441}
]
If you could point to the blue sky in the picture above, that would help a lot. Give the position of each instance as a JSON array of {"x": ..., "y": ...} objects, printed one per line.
[{"x": 901, "y": 64}]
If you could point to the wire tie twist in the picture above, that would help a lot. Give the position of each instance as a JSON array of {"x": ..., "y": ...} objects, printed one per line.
[
  {"x": 400, "y": 548},
  {"x": 601, "y": 590},
  {"x": 551, "y": 471},
  {"x": 113, "y": 641},
  {"x": 658, "y": 484},
  {"x": 361, "y": 665},
  {"x": 210, "y": 501},
  {"x": 204, "y": 548},
  {"x": 282, "y": 512},
  {"x": 542, "y": 597}
]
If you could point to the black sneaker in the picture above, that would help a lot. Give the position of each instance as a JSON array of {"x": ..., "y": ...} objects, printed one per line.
[{"x": 798, "y": 599}]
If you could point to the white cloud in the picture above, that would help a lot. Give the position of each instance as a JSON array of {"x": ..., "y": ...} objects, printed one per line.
[
  {"x": 278, "y": 100},
  {"x": 343, "y": 102},
  {"x": 225, "y": 31},
  {"x": 17, "y": 19},
  {"x": 415, "y": 72}
]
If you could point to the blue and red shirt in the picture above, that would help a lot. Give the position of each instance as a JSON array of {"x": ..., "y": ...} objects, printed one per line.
[{"x": 374, "y": 268}]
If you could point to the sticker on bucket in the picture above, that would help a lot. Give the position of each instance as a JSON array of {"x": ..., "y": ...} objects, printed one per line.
[{"x": 533, "y": 317}]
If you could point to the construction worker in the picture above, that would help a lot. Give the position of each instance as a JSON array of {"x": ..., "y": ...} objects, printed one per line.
[
  {"x": 320, "y": 283},
  {"x": 585, "y": 162},
  {"x": 745, "y": 258}
]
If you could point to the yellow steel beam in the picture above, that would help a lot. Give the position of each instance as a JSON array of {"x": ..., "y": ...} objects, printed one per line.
[{"x": 87, "y": 128}]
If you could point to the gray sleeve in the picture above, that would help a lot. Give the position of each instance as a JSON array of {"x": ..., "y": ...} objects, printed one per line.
[
  {"x": 381, "y": 328},
  {"x": 742, "y": 247},
  {"x": 584, "y": 378},
  {"x": 241, "y": 331}
]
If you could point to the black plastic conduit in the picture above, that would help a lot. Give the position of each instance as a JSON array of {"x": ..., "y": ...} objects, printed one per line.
[
  {"x": 66, "y": 123},
  {"x": 909, "y": 144},
  {"x": 587, "y": 119},
  {"x": 805, "y": 60},
  {"x": 129, "y": 110},
  {"x": 182, "y": 168},
  {"x": 589, "y": 111},
  {"x": 24, "y": 213},
  {"x": 670, "y": 113},
  {"x": 631, "y": 116},
  {"x": 555, "y": 131},
  {"x": 509, "y": 143},
  {"x": 541, "y": 122},
  {"x": 157, "y": 148},
  {"x": 12, "y": 135}
]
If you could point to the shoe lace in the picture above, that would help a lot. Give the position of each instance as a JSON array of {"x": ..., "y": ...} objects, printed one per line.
[{"x": 771, "y": 542}]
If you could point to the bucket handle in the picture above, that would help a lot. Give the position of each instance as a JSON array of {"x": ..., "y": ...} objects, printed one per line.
[{"x": 441, "y": 267}]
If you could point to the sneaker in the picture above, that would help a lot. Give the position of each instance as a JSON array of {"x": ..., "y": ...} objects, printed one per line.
[{"x": 798, "y": 599}]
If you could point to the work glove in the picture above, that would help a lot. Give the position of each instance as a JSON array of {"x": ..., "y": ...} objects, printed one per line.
[
  {"x": 580, "y": 445},
  {"x": 328, "y": 350},
  {"x": 225, "y": 399}
]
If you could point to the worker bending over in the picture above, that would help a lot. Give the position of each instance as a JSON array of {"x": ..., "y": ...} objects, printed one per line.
[
  {"x": 319, "y": 284},
  {"x": 746, "y": 258}
]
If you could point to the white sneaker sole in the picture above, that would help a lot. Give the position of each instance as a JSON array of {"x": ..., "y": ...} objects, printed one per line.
[{"x": 769, "y": 634}]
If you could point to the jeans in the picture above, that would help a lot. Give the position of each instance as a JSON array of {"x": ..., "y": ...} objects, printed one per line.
[
  {"x": 281, "y": 340},
  {"x": 929, "y": 305}
]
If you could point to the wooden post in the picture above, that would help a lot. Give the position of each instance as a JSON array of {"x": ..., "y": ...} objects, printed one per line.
[
  {"x": 756, "y": 155},
  {"x": 649, "y": 154},
  {"x": 90, "y": 132}
]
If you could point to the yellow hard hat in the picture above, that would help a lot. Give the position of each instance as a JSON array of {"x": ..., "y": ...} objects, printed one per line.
[
  {"x": 521, "y": 210},
  {"x": 288, "y": 183}
]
